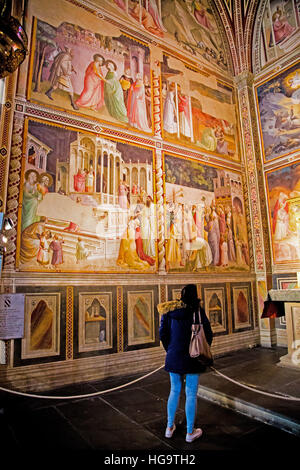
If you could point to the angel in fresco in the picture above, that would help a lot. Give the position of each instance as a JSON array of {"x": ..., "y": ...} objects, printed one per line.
[
  {"x": 92, "y": 95},
  {"x": 281, "y": 27}
]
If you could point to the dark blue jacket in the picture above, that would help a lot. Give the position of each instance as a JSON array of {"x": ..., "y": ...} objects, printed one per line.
[{"x": 175, "y": 334}]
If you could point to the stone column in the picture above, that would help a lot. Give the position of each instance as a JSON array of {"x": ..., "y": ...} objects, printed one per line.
[{"x": 256, "y": 210}]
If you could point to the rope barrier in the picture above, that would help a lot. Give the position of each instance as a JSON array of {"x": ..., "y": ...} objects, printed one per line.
[
  {"x": 88, "y": 395},
  {"x": 253, "y": 389}
]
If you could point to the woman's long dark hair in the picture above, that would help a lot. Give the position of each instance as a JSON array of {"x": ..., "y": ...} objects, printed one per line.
[{"x": 189, "y": 297}]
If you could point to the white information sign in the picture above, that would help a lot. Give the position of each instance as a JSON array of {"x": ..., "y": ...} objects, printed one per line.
[{"x": 12, "y": 316}]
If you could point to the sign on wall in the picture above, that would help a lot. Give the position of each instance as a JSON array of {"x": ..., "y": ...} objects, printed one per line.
[{"x": 11, "y": 316}]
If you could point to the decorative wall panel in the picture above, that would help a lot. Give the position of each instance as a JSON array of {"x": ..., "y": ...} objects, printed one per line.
[
  {"x": 215, "y": 305},
  {"x": 242, "y": 306},
  {"x": 45, "y": 326},
  {"x": 96, "y": 321},
  {"x": 42, "y": 326},
  {"x": 140, "y": 317}
]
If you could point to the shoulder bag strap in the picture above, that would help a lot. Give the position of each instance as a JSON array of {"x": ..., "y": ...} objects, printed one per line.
[{"x": 199, "y": 313}]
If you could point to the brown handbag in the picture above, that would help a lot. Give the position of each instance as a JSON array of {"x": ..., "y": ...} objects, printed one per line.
[{"x": 199, "y": 347}]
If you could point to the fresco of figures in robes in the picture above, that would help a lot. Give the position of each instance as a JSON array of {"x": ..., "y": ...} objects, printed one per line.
[
  {"x": 279, "y": 113},
  {"x": 82, "y": 71},
  {"x": 87, "y": 204},
  {"x": 205, "y": 218},
  {"x": 190, "y": 25},
  {"x": 198, "y": 111},
  {"x": 283, "y": 187},
  {"x": 280, "y": 29}
]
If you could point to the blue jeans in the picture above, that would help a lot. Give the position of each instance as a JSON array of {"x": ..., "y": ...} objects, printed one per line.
[{"x": 191, "y": 387}]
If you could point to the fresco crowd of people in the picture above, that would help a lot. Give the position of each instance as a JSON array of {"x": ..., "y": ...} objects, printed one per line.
[{"x": 200, "y": 236}]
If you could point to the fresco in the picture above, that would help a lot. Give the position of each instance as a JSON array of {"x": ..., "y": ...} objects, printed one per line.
[
  {"x": 279, "y": 113},
  {"x": 197, "y": 110},
  {"x": 188, "y": 24},
  {"x": 241, "y": 307},
  {"x": 95, "y": 321},
  {"x": 205, "y": 218},
  {"x": 214, "y": 303},
  {"x": 87, "y": 72},
  {"x": 42, "y": 320},
  {"x": 140, "y": 317},
  {"x": 280, "y": 29},
  {"x": 87, "y": 203},
  {"x": 283, "y": 186}
]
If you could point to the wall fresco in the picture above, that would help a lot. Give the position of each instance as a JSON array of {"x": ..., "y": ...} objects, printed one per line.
[
  {"x": 198, "y": 110},
  {"x": 104, "y": 77},
  {"x": 188, "y": 25},
  {"x": 279, "y": 29},
  {"x": 87, "y": 203},
  {"x": 278, "y": 102},
  {"x": 283, "y": 187},
  {"x": 205, "y": 218}
]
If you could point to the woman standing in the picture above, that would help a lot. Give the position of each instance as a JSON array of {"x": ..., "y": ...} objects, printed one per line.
[
  {"x": 113, "y": 93},
  {"x": 175, "y": 335}
]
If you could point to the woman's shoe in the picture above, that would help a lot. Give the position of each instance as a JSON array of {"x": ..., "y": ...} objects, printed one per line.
[
  {"x": 169, "y": 431},
  {"x": 195, "y": 434}
]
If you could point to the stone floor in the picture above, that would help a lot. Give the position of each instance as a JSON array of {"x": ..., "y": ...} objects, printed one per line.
[{"x": 131, "y": 421}]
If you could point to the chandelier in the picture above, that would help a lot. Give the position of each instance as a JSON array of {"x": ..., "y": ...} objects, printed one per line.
[{"x": 13, "y": 41}]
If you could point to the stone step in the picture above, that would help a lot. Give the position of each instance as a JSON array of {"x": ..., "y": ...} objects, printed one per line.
[{"x": 250, "y": 409}]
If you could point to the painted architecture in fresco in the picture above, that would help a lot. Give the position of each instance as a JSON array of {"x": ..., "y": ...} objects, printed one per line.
[
  {"x": 105, "y": 77},
  {"x": 206, "y": 223},
  {"x": 284, "y": 207},
  {"x": 279, "y": 113},
  {"x": 190, "y": 25},
  {"x": 198, "y": 111},
  {"x": 280, "y": 31},
  {"x": 88, "y": 206}
]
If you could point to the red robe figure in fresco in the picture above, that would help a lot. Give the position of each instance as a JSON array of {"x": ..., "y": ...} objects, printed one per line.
[
  {"x": 92, "y": 95},
  {"x": 79, "y": 181},
  {"x": 136, "y": 107},
  {"x": 139, "y": 247}
]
